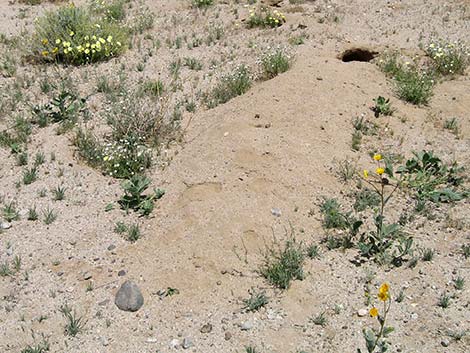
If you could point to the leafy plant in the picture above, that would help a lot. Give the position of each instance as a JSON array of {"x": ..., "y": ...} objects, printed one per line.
[
  {"x": 74, "y": 324},
  {"x": 382, "y": 106},
  {"x": 63, "y": 108},
  {"x": 431, "y": 179},
  {"x": 135, "y": 199}
]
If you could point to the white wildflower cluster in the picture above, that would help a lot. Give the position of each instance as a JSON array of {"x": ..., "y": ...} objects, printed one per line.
[
  {"x": 449, "y": 58},
  {"x": 125, "y": 158},
  {"x": 276, "y": 61}
]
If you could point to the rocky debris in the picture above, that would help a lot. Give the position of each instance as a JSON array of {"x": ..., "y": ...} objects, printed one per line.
[
  {"x": 207, "y": 328},
  {"x": 86, "y": 276},
  {"x": 121, "y": 273},
  {"x": 246, "y": 326},
  {"x": 187, "y": 343},
  {"x": 175, "y": 343},
  {"x": 276, "y": 212},
  {"x": 445, "y": 342},
  {"x": 227, "y": 335},
  {"x": 362, "y": 312},
  {"x": 5, "y": 225},
  {"x": 129, "y": 297}
]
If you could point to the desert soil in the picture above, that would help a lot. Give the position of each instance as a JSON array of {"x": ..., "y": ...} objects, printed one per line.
[{"x": 274, "y": 147}]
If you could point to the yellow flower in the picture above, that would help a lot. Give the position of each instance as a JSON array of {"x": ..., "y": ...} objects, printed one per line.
[
  {"x": 378, "y": 157},
  {"x": 87, "y": 51},
  {"x": 45, "y": 41},
  {"x": 366, "y": 173},
  {"x": 57, "y": 41},
  {"x": 72, "y": 33},
  {"x": 383, "y": 296},
  {"x": 93, "y": 37},
  {"x": 102, "y": 40},
  {"x": 109, "y": 39},
  {"x": 380, "y": 171},
  {"x": 384, "y": 288},
  {"x": 373, "y": 312},
  {"x": 45, "y": 53},
  {"x": 105, "y": 158},
  {"x": 118, "y": 43},
  {"x": 55, "y": 50}
]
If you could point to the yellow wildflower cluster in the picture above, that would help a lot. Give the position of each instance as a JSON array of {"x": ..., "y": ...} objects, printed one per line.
[
  {"x": 379, "y": 170},
  {"x": 262, "y": 17},
  {"x": 383, "y": 295},
  {"x": 275, "y": 19},
  {"x": 87, "y": 48},
  {"x": 449, "y": 58}
]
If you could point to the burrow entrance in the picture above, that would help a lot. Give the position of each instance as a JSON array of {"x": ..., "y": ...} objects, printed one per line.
[{"x": 358, "y": 54}]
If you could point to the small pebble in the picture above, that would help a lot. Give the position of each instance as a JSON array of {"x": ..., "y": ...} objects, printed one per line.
[
  {"x": 362, "y": 312},
  {"x": 206, "y": 328}
]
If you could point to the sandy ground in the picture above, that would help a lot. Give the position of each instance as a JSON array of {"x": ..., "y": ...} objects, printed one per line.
[{"x": 273, "y": 147}]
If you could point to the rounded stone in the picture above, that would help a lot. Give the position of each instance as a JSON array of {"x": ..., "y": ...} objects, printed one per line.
[{"x": 129, "y": 297}]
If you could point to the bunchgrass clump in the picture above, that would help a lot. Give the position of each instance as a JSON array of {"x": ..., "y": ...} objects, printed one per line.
[
  {"x": 257, "y": 300},
  {"x": 74, "y": 324},
  {"x": 30, "y": 175},
  {"x": 76, "y": 35},
  {"x": 444, "y": 301},
  {"x": 38, "y": 348},
  {"x": 231, "y": 85},
  {"x": 320, "y": 319},
  {"x": 275, "y": 62},
  {"x": 449, "y": 58},
  {"x": 10, "y": 213},
  {"x": 284, "y": 263},
  {"x": 49, "y": 216}
]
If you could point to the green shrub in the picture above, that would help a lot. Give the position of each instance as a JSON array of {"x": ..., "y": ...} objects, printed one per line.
[
  {"x": 263, "y": 17},
  {"x": 414, "y": 86},
  {"x": 230, "y": 86},
  {"x": 275, "y": 62},
  {"x": 449, "y": 58},
  {"x": 202, "y": 3},
  {"x": 125, "y": 158},
  {"x": 74, "y": 35}
]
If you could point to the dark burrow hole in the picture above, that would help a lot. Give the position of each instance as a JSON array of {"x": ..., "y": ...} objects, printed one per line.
[{"x": 358, "y": 54}]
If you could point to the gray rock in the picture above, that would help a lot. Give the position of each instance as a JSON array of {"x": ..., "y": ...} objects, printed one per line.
[
  {"x": 246, "y": 326},
  {"x": 174, "y": 343},
  {"x": 121, "y": 273},
  {"x": 187, "y": 343},
  {"x": 5, "y": 225},
  {"x": 104, "y": 341},
  {"x": 445, "y": 342},
  {"x": 129, "y": 297},
  {"x": 206, "y": 328},
  {"x": 228, "y": 335},
  {"x": 362, "y": 312},
  {"x": 86, "y": 275}
]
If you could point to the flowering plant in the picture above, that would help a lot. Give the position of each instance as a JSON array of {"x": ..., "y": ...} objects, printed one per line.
[
  {"x": 72, "y": 35},
  {"x": 377, "y": 339}
]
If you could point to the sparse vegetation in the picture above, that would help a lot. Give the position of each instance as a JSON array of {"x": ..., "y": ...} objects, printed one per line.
[{"x": 283, "y": 263}]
